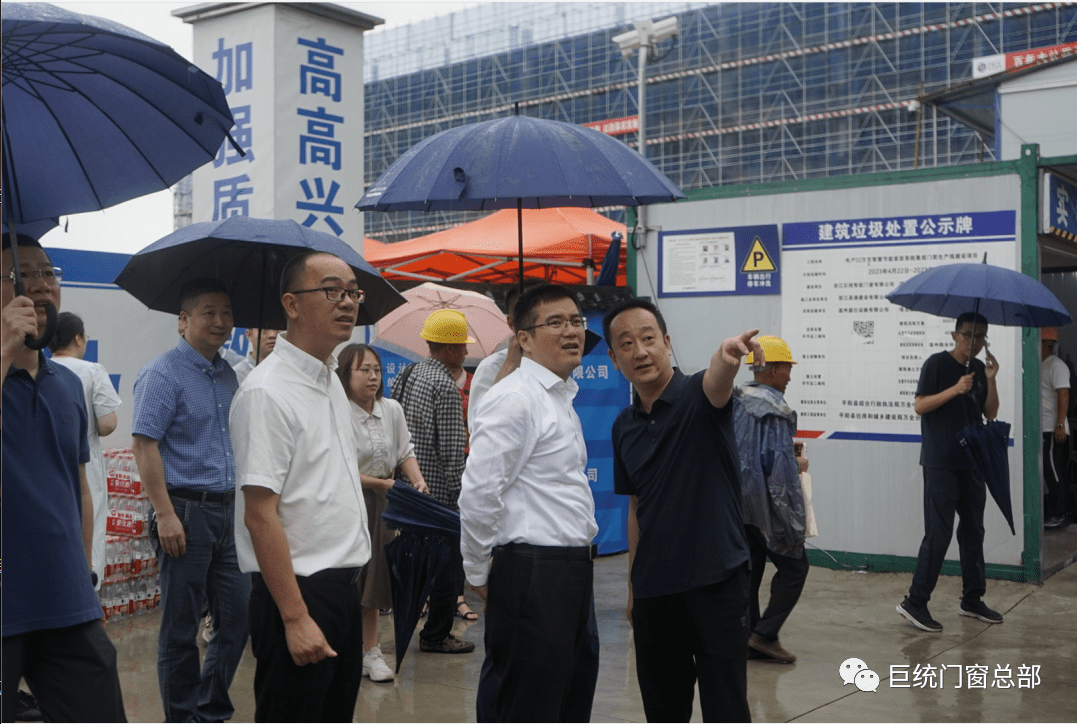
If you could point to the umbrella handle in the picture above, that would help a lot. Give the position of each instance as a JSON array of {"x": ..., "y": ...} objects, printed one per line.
[{"x": 50, "y": 329}]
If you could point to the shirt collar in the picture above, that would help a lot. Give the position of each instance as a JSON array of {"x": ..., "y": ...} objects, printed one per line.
[
  {"x": 546, "y": 378},
  {"x": 44, "y": 364},
  {"x": 192, "y": 356},
  {"x": 362, "y": 415},
  {"x": 669, "y": 394},
  {"x": 304, "y": 362}
]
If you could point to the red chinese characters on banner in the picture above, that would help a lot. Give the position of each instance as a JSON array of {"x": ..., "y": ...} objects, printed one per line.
[
  {"x": 1023, "y": 59},
  {"x": 616, "y": 126}
]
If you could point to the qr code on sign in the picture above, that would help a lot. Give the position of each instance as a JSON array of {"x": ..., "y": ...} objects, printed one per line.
[{"x": 864, "y": 331}]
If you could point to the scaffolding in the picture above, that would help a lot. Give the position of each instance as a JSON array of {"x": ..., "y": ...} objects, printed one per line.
[{"x": 747, "y": 93}]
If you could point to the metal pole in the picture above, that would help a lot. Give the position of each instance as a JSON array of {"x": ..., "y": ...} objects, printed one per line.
[{"x": 641, "y": 105}]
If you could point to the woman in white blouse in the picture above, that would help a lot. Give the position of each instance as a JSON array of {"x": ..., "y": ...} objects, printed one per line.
[{"x": 384, "y": 444}]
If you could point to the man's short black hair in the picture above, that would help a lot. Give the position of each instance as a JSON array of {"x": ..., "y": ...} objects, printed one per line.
[
  {"x": 68, "y": 326},
  {"x": 970, "y": 318},
  {"x": 294, "y": 271},
  {"x": 635, "y": 303},
  {"x": 525, "y": 313},
  {"x": 514, "y": 295},
  {"x": 192, "y": 289},
  {"x": 21, "y": 240}
]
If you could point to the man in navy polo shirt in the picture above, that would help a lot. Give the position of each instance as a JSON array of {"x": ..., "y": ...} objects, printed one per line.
[
  {"x": 675, "y": 454},
  {"x": 52, "y": 632},
  {"x": 184, "y": 454}
]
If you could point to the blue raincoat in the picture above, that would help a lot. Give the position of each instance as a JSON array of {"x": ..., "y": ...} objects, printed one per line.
[{"x": 770, "y": 480}]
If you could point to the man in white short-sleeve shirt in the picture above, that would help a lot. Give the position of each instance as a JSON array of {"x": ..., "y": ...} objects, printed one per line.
[
  {"x": 301, "y": 523},
  {"x": 1054, "y": 404}
]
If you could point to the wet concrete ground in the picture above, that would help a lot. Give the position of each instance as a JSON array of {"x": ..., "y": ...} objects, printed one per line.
[{"x": 841, "y": 615}]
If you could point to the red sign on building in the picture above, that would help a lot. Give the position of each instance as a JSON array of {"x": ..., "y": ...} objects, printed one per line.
[{"x": 616, "y": 126}]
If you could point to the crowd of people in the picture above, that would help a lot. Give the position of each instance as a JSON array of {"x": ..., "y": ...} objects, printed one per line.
[{"x": 268, "y": 478}]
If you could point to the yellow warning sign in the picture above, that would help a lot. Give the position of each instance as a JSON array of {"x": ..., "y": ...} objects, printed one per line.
[{"x": 758, "y": 260}]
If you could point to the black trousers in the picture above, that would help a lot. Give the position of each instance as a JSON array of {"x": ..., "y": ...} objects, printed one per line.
[
  {"x": 785, "y": 586},
  {"x": 443, "y": 593},
  {"x": 71, "y": 670},
  {"x": 540, "y": 636},
  {"x": 947, "y": 492},
  {"x": 701, "y": 635},
  {"x": 1055, "y": 456},
  {"x": 321, "y": 692}
]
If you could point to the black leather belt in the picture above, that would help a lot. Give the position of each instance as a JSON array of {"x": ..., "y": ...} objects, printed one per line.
[
  {"x": 346, "y": 576},
  {"x": 586, "y": 553},
  {"x": 203, "y": 496}
]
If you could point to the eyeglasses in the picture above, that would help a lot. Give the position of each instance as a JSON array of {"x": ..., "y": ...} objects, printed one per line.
[
  {"x": 336, "y": 294},
  {"x": 560, "y": 324},
  {"x": 50, "y": 276},
  {"x": 370, "y": 371},
  {"x": 979, "y": 337}
]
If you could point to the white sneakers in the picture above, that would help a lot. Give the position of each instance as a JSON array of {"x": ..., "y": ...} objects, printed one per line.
[{"x": 375, "y": 667}]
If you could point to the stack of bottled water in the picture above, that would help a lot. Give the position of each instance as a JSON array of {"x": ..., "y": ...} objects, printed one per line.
[{"x": 132, "y": 585}]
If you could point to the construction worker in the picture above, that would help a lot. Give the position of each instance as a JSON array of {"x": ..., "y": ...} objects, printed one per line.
[{"x": 773, "y": 501}]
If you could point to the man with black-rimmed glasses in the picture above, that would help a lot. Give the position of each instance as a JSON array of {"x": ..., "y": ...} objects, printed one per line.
[
  {"x": 301, "y": 526},
  {"x": 955, "y": 390}
]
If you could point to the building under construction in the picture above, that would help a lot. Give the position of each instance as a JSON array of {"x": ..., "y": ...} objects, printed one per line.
[{"x": 744, "y": 93}]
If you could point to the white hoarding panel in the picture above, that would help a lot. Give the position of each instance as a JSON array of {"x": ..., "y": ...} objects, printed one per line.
[{"x": 864, "y": 353}]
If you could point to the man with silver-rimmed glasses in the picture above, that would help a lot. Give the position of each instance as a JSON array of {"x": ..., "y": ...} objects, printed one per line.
[{"x": 525, "y": 502}]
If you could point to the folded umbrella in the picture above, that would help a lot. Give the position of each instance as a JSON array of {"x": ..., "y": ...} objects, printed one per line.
[
  {"x": 427, "y": 528},
  {"x": 988, "y": 446},
  {"x": 407, "y": 509},
  {"x": 414, "y": 561}
]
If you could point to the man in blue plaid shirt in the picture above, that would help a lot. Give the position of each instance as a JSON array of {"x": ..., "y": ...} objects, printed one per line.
[{"x": 184, "y": 454}]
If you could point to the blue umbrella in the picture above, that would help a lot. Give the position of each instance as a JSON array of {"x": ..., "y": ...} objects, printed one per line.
[
  {"x": 518, "y": 162},
  {"x": 407, "y": 509},
  {"x": 249, "y": 256},
  {"x": 92, "y": 114},
  {"x": 96, "y": 113},
  {"x": 1002, "y": 296}
]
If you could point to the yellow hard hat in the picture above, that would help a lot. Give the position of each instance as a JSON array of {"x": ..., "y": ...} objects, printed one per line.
[
  {"x": 774, "y": 349},
  {"x": 1048, "y": 334},
  {"x": 446, "y": 326}
]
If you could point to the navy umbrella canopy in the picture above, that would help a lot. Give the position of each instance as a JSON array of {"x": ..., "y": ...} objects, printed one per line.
[
  {"x": 93, "y": 113},
  {"x": 96, "y": 113},
  {"x": 1002, "y": 296},
  {"x": 517, "y": 161},
  {"x": 248, "y": 255}
]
